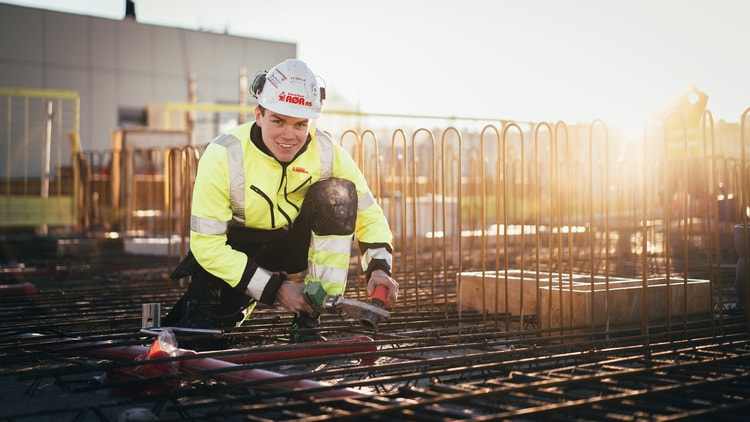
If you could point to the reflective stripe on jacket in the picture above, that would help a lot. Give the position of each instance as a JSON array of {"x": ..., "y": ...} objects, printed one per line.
[{"x": 238, "y": 184}]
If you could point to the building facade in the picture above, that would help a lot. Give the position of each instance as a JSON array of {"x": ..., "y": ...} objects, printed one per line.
[{"x": 118, "y": 67}]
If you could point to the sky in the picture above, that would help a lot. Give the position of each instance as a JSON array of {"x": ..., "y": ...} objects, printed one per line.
[{"x": 524, "y": 60}]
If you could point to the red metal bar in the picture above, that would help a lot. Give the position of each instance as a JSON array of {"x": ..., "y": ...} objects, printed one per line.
[
  {"x": 200, "y": 364},
  {"x": 242, "y": 375},
  {"x": 355, "y": 345},
  {"x": 17, "y": 289}
]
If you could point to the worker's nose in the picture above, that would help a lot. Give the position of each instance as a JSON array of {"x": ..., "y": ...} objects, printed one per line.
[{"x": 288, "y": 132}]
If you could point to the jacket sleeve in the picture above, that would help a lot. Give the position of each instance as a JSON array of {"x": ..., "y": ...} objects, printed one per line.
[
  {"x": 372, "y": 229},
  {"x": 211, "y": 214}
]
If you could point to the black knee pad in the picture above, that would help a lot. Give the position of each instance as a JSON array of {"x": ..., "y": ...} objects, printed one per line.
[{"x": 332, "y": 206}]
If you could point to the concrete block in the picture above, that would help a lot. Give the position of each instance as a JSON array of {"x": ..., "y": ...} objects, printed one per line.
[
  {"x": 154, "y": 245},
  {"x": 566, "y": 300},
  {"x": 510, "y": 291},
  {"x": 78, "y": 247},
  {"x": 622, "y": 302}
]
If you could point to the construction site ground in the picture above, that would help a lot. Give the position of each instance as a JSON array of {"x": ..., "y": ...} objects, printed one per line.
[{"x": 425, "y": 363}]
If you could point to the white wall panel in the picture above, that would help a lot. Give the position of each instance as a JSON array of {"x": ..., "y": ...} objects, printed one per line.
[
  {"x": 135, "y": 47},
  {"x": 21, "y": 34},
  {"x": 68, "y": 40},
  {"x": 104, "y": 46}
]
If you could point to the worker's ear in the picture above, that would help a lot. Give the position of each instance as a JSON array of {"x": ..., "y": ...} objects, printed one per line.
[{"x": 257, "y": 114}]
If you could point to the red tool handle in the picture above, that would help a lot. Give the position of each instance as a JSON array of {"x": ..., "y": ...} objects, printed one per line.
[{"x": 379, "y": 296}]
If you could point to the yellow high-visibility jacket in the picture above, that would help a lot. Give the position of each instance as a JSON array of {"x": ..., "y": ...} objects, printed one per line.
[{"x": 238, "y": 184}]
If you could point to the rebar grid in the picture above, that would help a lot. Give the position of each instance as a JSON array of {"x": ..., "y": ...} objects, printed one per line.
[
  {"x": 541, "y": 201},
  {"x": 436, "y": 364}
]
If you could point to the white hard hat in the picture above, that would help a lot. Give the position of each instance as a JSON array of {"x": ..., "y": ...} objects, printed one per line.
[{"x": 290, "y": 88}]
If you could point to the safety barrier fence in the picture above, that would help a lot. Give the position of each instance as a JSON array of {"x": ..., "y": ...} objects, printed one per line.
[
  {"x": 39, "y": 131},
  {"x": 549, "y": 227}
]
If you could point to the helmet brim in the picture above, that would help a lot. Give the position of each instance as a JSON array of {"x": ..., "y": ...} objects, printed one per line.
[{"x": 291, "y": 111}]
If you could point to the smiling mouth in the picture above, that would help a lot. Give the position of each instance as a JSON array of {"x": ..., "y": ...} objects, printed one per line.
[{"x": 285, "y": 146}]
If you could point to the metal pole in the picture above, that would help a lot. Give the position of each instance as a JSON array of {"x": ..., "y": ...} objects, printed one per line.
[{"x": 47, "y": 151}]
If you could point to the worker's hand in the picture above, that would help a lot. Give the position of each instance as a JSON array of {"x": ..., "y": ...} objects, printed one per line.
[
  {"x": 291, "y": 297},
  {"x": 381, "y": 278}
]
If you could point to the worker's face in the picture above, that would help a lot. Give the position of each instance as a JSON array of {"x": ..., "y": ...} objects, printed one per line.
[{"x": 283, "y": 135}]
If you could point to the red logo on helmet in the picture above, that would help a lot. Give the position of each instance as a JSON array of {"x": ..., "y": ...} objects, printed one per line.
[
  {"x": 294, "y": 99},
  {"x": 276, "y": 78}
]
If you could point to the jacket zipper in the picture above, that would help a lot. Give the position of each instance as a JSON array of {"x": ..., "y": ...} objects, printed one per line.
[
  {"x": 308, "y": 180},
  {"x": 281, "y": 210},
  {"x": 268, "y": 200}
]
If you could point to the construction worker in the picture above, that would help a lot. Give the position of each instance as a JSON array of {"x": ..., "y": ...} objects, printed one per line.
[{"x": 275, "y": 197}]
